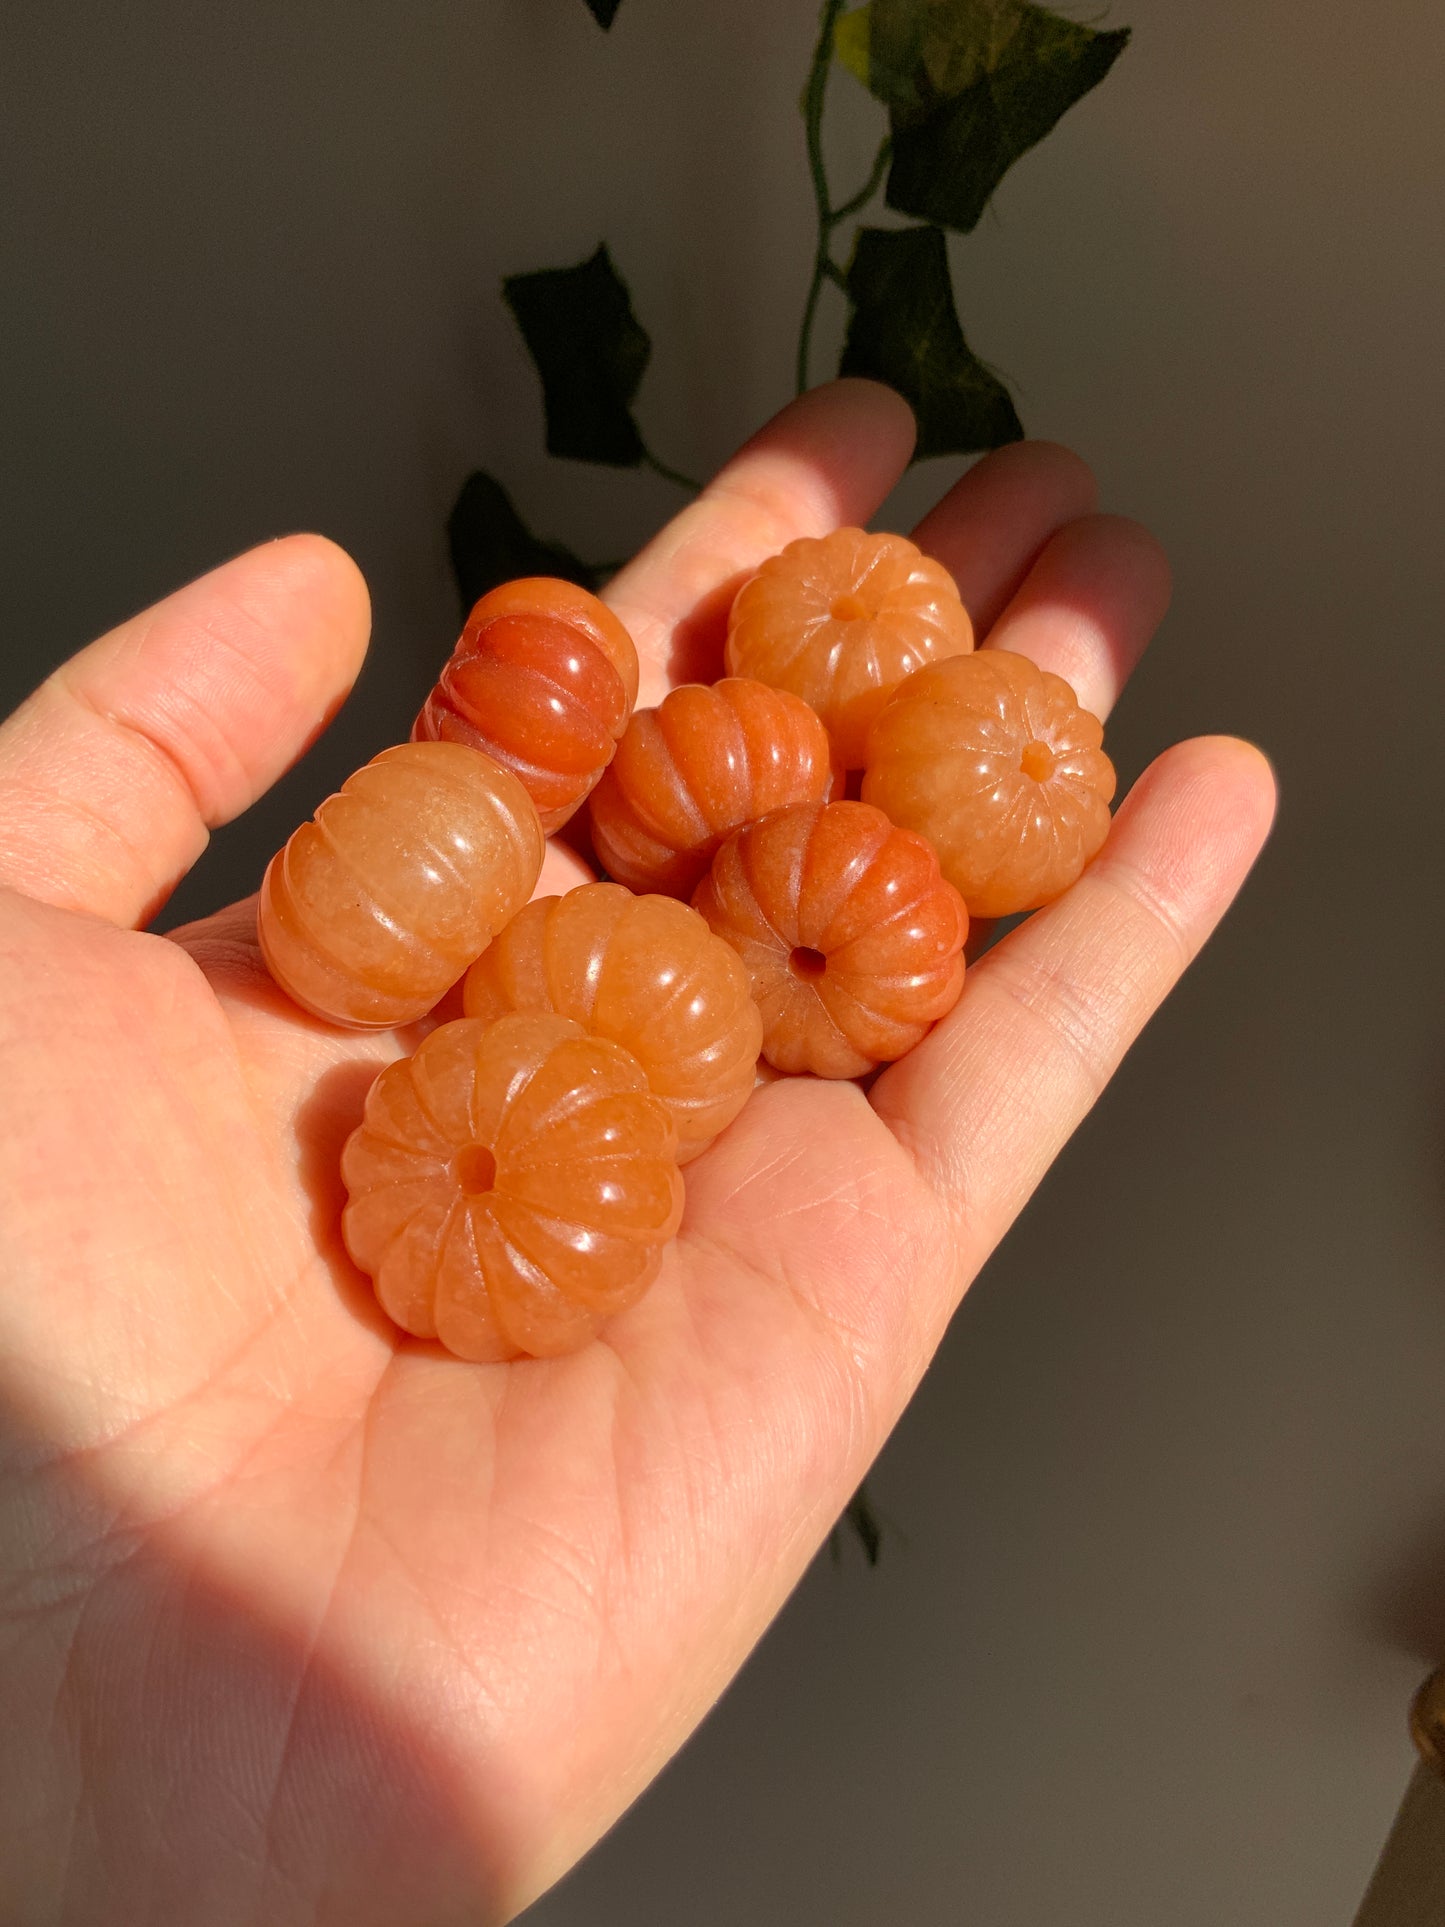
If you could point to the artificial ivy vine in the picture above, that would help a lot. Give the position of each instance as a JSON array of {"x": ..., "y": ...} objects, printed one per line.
[{"x": 969, "y": 86}]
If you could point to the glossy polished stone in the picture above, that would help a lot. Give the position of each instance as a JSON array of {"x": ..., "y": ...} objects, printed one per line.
[
  {"x": 993, "y": 760},
  {"x": 852, "y": 939},
  {"x": 543, "y": 679},
  {"x": 647, "y": 973},
  {"x": 376, "y": 907},
  {"x": 511, "y": 1187},
  {"x": 704, "y": 762},
  {"x": 840, "y": 620}
]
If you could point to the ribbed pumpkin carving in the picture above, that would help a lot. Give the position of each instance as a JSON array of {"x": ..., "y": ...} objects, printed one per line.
[
  {"x": 376, "y": 907},
  {"x": 543, "y": 679},
  {"x": 645, "y": 972},
  {"x": 851, "y": 937},
  {"x": 992, "y": 759},
  {"x": 511, "y": 1186},
  {"x": 840, "y": 620},
  {"x": 704, "y": 762}
]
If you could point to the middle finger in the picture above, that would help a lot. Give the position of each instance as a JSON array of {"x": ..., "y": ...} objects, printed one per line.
[{"x": 1089, "y": 606}]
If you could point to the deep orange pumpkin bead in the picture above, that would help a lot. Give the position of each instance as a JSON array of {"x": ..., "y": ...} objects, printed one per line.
[
  {"x": 852, "y": 938},
  {"x": 543, "y": 679},
  {"x": 376, "y": 907},
  {"x": 704, "y": 762},
  {"x": 511, "y": 1187}
]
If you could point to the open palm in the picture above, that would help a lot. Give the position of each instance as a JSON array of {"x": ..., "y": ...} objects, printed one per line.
[{"x": 302, "y": 1620}]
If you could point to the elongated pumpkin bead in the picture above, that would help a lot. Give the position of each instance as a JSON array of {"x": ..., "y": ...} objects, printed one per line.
[
  {"x": 543, "y": 680},
  {"x": 645, "y": 972},
  {"x": 702, "y": 763},
  {"x": 376, "y": 907}
]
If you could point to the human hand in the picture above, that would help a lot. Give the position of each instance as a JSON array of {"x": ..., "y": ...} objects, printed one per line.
[{"x": 302, "y": 1620}]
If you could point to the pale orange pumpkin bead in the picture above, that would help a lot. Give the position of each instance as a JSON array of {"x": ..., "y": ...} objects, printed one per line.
[
  {"x": 511, "y": 1187},
  {"x": 852, "y": 938},
  {"x": 702, "y": 763},
  {"x": 840, "y": 620},
  {"x": 543, "y": 680},
  {"x": 376, "y": 907},
  {"x": 992, "y": 759},
  {"x": 645, "y": 972}
]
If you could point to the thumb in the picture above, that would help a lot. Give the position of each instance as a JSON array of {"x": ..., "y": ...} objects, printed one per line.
[{"x": 113, "y": 773}]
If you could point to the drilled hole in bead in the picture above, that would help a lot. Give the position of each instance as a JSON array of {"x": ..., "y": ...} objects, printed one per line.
[
  {"x": 1037, "y": 761},
  {"x": 475, "y": 1169},
  {"x": 807, "y": 964},
  {"x": 848, "y": 608}
]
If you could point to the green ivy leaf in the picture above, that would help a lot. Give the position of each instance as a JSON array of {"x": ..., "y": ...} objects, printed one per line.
[
  {"x": 869, "y": 55},
  {"x": 604, "y": 12},
  {"x": 904, "y": 330},
  {"x": 590, "y": 350},
  {"x": 850, "y": 42},
  {"x": 970, "y": 85},
  {"x": 490, "y": 543}
]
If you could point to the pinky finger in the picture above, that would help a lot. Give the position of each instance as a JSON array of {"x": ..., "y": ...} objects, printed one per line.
[{"x": 990, "y": 1096}]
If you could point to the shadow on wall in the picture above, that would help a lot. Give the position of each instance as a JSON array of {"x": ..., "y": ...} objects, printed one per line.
[{"x": 1405, "y": 1607}]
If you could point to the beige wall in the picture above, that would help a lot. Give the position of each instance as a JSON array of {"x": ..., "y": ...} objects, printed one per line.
[{"x": 1170, "y": 1512}]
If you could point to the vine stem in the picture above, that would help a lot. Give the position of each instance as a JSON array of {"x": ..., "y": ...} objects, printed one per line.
[
  {"x": 870, "y": 187},
  {"x": 813, "y": 94},
  {"x": 825, "y": 268}
]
